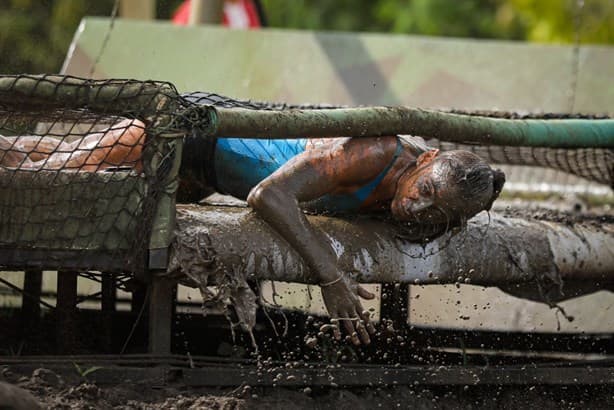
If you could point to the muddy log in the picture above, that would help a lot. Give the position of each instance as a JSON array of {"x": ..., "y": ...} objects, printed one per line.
[{"x": 536, "y": 259}]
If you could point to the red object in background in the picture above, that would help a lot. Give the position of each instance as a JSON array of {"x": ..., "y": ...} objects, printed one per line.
[{"x": 237, "y": 14}]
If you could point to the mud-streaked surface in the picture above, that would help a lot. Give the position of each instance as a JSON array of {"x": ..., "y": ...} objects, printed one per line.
[
  {"x": 543, "y": 255},
  {"x": 495, "y": 249}
]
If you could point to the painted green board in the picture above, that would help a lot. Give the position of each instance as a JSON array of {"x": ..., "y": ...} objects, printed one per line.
[{"x": 349, "y": 68}]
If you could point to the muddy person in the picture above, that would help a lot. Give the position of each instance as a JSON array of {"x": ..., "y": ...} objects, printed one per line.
[{"x": 281, "y": 178}]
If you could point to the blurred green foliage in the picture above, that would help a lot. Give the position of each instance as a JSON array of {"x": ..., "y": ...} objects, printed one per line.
[
  {"x": 35, "y": 34},
  {"x": 556, "y": 20},
  {"x": 533, "y": 20}
]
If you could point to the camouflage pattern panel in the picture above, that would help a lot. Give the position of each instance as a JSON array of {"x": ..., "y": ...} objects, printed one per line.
[
  {"x": 349, "y": 68},
  {"x": 595, "y": 88}
]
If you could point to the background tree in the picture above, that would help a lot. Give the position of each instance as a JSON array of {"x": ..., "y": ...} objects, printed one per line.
[
  {"x": 533, "y": 20},
  {"x": 556, "y": 20},
  {"x": 35, "y": 34}
]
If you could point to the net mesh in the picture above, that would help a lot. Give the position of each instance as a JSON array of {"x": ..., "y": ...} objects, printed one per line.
[
  {"x": 217, "y": 100},
  {"x": 592, "y": 164},
  {"x": 87, "y": 165},
  {"x": 81, "y": 170}
]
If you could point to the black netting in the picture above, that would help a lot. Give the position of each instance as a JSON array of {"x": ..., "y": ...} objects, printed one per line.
[
  {"x": 81, "y": 170},
  {"x": 594, "y": 164},
  {"x": 217, "y": 100}
]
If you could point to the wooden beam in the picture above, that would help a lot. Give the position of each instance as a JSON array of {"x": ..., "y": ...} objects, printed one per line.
[
  {"x": 30, "y": 302},
  {"x": 108, "y": 308},
  {"x": 66, "y": 311},
  {"x": 161, "y": 312}
]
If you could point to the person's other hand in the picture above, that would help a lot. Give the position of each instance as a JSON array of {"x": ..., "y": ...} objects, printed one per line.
[{"x": 343, "y": 304}]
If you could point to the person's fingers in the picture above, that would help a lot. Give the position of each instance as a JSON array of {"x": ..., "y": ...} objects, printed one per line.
[
  {"x": 362, "y": 320},
  {"x": 362, "y": 331},
  {"x": 336, "y": 331},
  {"x": 348, "y": 323},
  {"x": 367, "y": 319},
  {"x": 354, "y": 338},
  {"x": 364, "y": 293}
]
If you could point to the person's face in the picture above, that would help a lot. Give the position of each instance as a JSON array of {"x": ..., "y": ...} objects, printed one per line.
[
  {"x": 427, "y": 195},
  {"x": 414, "y": 197}
]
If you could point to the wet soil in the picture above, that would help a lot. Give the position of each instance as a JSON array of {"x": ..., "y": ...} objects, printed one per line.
[{"x": 52, "y": 392}]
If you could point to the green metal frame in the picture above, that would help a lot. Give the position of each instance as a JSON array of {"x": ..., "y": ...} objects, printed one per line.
[{"x": 378, "y": 121}]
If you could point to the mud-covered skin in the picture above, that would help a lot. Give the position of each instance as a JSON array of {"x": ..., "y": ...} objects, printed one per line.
[
  {"x": 117, "y": 146},
  {"x": 416, "y": 188}
]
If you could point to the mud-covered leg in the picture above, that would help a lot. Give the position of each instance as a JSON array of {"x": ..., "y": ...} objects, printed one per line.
[{"x": 9, "y": 154}]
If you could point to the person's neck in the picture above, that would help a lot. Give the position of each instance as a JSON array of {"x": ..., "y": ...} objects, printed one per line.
[{"x": 386, "y": 190}]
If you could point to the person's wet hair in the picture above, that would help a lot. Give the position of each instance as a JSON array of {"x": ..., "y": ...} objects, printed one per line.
[
  {"x": 462, "y": 185},
  {"x": 465, "y": 184}
]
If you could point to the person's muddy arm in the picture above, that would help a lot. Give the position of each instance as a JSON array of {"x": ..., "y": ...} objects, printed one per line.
[{"x": 309, "y": 176}]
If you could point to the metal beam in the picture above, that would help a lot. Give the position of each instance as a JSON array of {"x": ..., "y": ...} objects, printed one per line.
[{"x": 381, "y": 121}]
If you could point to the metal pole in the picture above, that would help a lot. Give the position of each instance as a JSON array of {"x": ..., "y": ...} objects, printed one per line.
[{"x": 381, "y": 121}]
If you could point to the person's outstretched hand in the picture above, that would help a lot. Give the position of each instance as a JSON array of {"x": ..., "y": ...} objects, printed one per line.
[{"x": 343, "y": 304}]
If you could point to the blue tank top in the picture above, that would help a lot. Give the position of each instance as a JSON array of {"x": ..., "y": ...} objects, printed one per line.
[{"x": 240, "y": 164}]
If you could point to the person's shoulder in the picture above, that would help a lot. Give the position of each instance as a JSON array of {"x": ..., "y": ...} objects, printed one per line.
[
  {"x": 416, "y": 144},
  {"x": 323, "y": 143}
]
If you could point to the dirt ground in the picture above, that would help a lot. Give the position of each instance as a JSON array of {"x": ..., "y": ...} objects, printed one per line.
[{"x": 50, "y": 391}]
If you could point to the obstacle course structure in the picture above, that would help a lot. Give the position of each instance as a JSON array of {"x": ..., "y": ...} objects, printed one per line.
[{"x": 123, "y": 220}]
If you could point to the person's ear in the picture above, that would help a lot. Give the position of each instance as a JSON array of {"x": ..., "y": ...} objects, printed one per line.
[{"x": 427, "y": 157}]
